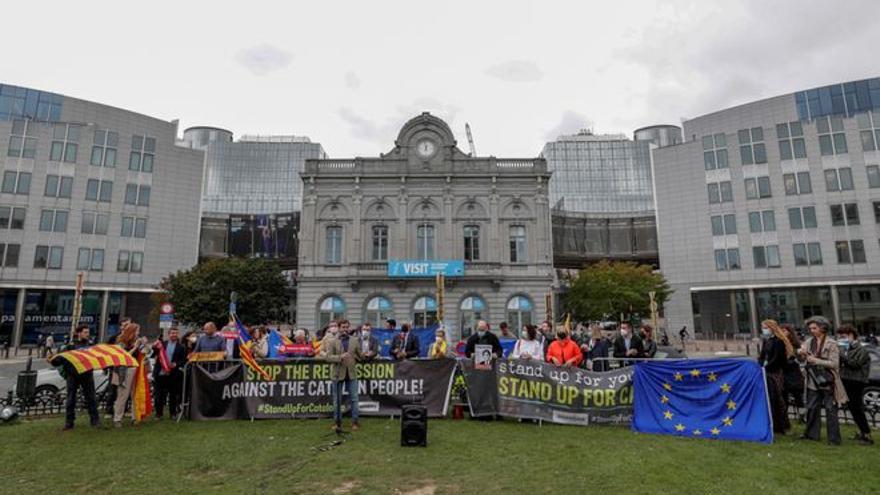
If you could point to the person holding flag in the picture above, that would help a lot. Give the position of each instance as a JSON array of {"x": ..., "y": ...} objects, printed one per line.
[{"x": 82, "y": 381}]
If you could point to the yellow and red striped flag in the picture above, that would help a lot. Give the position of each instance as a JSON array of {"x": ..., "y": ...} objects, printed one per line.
[
  {"x": 96, "y": 357},
  {"x": 141, "y": 398},
  {"x": 244, "y": 349}
]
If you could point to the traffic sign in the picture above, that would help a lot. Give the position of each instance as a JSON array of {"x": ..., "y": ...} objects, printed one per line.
[{"x": 166, "y": 308}]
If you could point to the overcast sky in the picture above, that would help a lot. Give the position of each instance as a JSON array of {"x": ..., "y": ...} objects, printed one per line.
[{"x": 349, "y": 74}]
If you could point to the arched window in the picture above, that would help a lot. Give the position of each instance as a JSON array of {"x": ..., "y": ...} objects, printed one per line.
[
  {"x": 424, "y": 312},
  {"x": 378, "y": 310},
  {"x": 519, "y": 313},
  {"x": 471, "y": 242},
  {"x": 331, "y": 308},
  {"x": 471, "y": 310}
]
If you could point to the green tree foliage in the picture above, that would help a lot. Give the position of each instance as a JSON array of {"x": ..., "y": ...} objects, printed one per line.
[
  {"x": 201, "y": 293},
  {"x": 612, "y": 288}
]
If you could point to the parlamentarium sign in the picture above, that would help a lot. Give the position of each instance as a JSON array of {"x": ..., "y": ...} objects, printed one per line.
[{"x": 425, "y": 268}]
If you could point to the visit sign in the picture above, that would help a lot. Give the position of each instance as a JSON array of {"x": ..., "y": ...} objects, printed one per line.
[{"x": 425, "y": 268}]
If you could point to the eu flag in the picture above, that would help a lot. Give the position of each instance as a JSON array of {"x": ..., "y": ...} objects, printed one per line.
[{"x": 724, "y": 399}]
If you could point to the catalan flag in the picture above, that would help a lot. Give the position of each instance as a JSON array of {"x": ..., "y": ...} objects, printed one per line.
[
  {"x": 96, "y": 357},
  {"x": 245, "y": 350},
  {"x": 141, "y": 398}
]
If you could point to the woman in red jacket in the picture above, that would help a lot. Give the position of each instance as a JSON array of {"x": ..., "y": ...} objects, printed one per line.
[{"x": 563, "y": 351}]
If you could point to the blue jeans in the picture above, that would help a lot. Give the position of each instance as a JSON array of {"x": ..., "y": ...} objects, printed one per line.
[{"x": 351, "y": 385}]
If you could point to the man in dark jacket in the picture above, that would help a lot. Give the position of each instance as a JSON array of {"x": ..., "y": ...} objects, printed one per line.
[
  {"x": 483, "y": 337},
  {"x": 628, "y": 344},
  {"x": 168, "y": 385},
  {"x": 855, "y": 367},
  {"x": 82, "y": 381},
  {"x": 405, "y": 345},
  {"x": 368, "y": 344}
]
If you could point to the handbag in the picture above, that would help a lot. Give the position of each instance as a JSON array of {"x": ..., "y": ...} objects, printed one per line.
[{"x": 821, "y": 377}]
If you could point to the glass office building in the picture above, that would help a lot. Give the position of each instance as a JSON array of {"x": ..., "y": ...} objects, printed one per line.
[{"x": 771, "y": 209}]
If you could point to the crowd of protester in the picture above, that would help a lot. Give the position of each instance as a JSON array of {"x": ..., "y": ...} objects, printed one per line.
[{"x": 820, "y": 373}]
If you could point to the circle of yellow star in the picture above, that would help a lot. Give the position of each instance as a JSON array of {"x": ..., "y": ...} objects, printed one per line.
[
  {"x": 728, "y": 421},
  {"x": 679, "y": 427},
  {"x": 715, "y": 431},
  {"x": 668, "y": 414},
  {"x": 731, "y": 404},
  {"x": 664, "y": 399},
  {"x": 679, "y": 377},
  {"x": 698, "y": 432},
  {"x": 667, "y": 386},
  {"x": 695, "y": 373},
  {"x": 725, "y": 388},
  {"x": 712, "y": 377}
]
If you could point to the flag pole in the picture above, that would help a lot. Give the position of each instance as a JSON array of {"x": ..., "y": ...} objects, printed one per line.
[{"x": 77, "y": 304}]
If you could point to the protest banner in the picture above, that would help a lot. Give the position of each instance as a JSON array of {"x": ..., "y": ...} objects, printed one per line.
[
  {"x": 303, "y": 389},
  {"x": 537, "y": 390}
]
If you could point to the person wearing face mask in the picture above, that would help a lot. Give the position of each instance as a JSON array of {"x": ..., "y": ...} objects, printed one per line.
[
  {"x": 439, "y": 348},
  {"x": 775, "y": 351},
  {"x": 564, "y": 351},
  {"x": 483, "y": 337},
  {"x": 628, "y": 345},
  {"x": 855, "y": 365},
  {"x": 405, "y": 345},
  {"x": 84, "y": 382},
  {"x": 369, "y": 345},
  {"x": 528, "y": 346}
]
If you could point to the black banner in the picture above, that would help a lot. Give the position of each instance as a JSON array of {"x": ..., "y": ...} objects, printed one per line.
[
  {"x": 303, "y": 389},
  {"x": 536, "y": 390}
]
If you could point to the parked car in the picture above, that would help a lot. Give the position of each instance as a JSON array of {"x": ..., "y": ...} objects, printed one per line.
[
  {"x": 50, "y": 383},
  {"x": 871, "y": 395}
]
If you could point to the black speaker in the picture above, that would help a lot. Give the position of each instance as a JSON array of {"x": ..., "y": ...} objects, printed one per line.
[{"x": 413, "y": 426}]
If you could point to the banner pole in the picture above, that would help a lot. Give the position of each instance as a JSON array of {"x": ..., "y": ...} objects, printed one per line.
[{"x": 77, "y": 304}]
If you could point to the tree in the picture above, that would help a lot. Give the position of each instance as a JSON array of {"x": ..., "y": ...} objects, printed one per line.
[
  {"x": 201, "y": 293},
  {"x": 614, "y": 288}
]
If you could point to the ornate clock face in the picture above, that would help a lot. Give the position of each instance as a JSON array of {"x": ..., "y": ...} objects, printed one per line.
[{"x": 426, "y": 148}]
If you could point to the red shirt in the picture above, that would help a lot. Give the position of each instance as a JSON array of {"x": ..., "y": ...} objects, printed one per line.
[{"x": 563, "y": 351}]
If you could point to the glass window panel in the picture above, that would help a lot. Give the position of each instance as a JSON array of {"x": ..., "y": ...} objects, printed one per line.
[
  {"x": 134, "y": 161},
  {"x": 106, "y": 191},
  {"x": 796, "y": 129},
  {"x": 127, "y": 226},
  {"x": 65, "y": 188},
  {"x": 800, "y": 255},
  {"x": 113, "y": 139},
  {"x": 873, "y": 175},
  {"x": 790, "y": 183},
  {"x": 759, "y": 258},
  {"x": 59, "y": 131},
  {"x": 773, "y": 260},
  {"x": 745, "y": 155},
  {"x": 12, "y": 255},
  {"x": 84, "y": 259},
  {"x": 858, "y": 251},
  {"x": 730, "y": 224},
  {"x": 137, "y": 262},
  {"x": 867, "y": 138},
  {"x": 837, "y": 215},
  {"x": 846, "y": 179},
  {"x": 852, "y": 213},
  {"x": 709, "y": 160},
  {"x": 9, "y": 178},
  {"x": 97, "y": 260},
  {"x": 714, "y": 195},
  {"x": 782, "y": 131},
  {"x": 720, "y": 140},
  {"x": 815, "y": 251},
  {"x": 800, "y": 148},
  {"x": 831, "y": 181},
  {"x": 733, "y": 259},
  {"x": 122, "y": 263},
  {"x": 805, "y": 185},
  {"x": 60, "y": 221},
  {"x": 97, "y": 155},
  {"x": 5, "y": 216},
  {"x": 56, "y": 254},
  {"x": 24, "y": 183},
  {"x": 757, "y": 134},
  {"x": 100, "y": 136},
  {"x": 144, "y": 196},
  {"x": 721, "y": 158},
  {"x": 726, "y": 191},
  {"x": 717, "y": 225},
  {"x": 794, "y": 219},
  {"x": 764, "y": 187},
  {"x": 41, "y": 257},
  {"x": 742, "y": 136},
  {"x": 102, "y": 222},
  {"x": 840, "y": 143},
  {"x": 785, "y": 150},
  {"x": 755, "y": 222},
  {"x": 720, "y": 260},
  {"x": 51, "y": 188},
  {"x": 47, "y": 218},
  {"x": 150, "y": 145},
  {"x": 822, "y": 125},
  {"x": 147, "y": 164},
  {"x": 88, "y": 223},
  {"x": 140, "y": 228},
  {"x": 825, "y": 146},
  {"x": 760, "y": 153},
  {"x": 769, "y": 220},
  {"x": 131, "y": 192},
  {"x": 17, "y": 218},
  {"x": 70, "y": 152},
  {"x": 137, "y": 142},
  {"x": 751, "y": 189},
  {"x": 707, "y": 143},
  {"x": 110, "y": 157},
  {"x": 809, "y": 213},
  {"x": 92, "y": 187}
]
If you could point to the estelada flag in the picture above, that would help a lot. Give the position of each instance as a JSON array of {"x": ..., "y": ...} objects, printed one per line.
[
  {"x": 141, "y": 398},
  {"x": 96, "y": 357}
]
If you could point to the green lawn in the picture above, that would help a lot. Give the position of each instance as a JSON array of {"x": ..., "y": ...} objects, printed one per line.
[{"x": 462, "y": 457}]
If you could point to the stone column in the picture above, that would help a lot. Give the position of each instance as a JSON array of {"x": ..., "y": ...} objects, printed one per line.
[{"x": 835, "y": 306}]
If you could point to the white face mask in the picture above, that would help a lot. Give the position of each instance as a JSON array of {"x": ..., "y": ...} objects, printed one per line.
[
  {"x": 765, "y": 331},
  {"x": 365, "y": 333}
]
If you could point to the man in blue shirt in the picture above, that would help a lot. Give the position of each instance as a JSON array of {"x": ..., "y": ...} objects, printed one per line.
[{"x": 210, "y": 341}]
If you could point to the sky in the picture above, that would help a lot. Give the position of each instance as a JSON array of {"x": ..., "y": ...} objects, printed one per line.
[{"x": 349, "y": 74}]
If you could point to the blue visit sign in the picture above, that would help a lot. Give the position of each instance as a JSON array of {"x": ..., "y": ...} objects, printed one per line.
[{"x": 425, "y": 268}]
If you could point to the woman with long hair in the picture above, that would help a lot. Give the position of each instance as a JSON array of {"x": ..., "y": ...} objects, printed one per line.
[
  {"x": 123, "y": 377},
  {"x": 793, "y": 389},
  {"x": 774, "y": 358}
]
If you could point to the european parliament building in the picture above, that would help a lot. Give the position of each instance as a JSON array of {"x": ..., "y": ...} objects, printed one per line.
[
  {"x": 88, "y": 188},
  {"x": 771, "y": 209}
]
